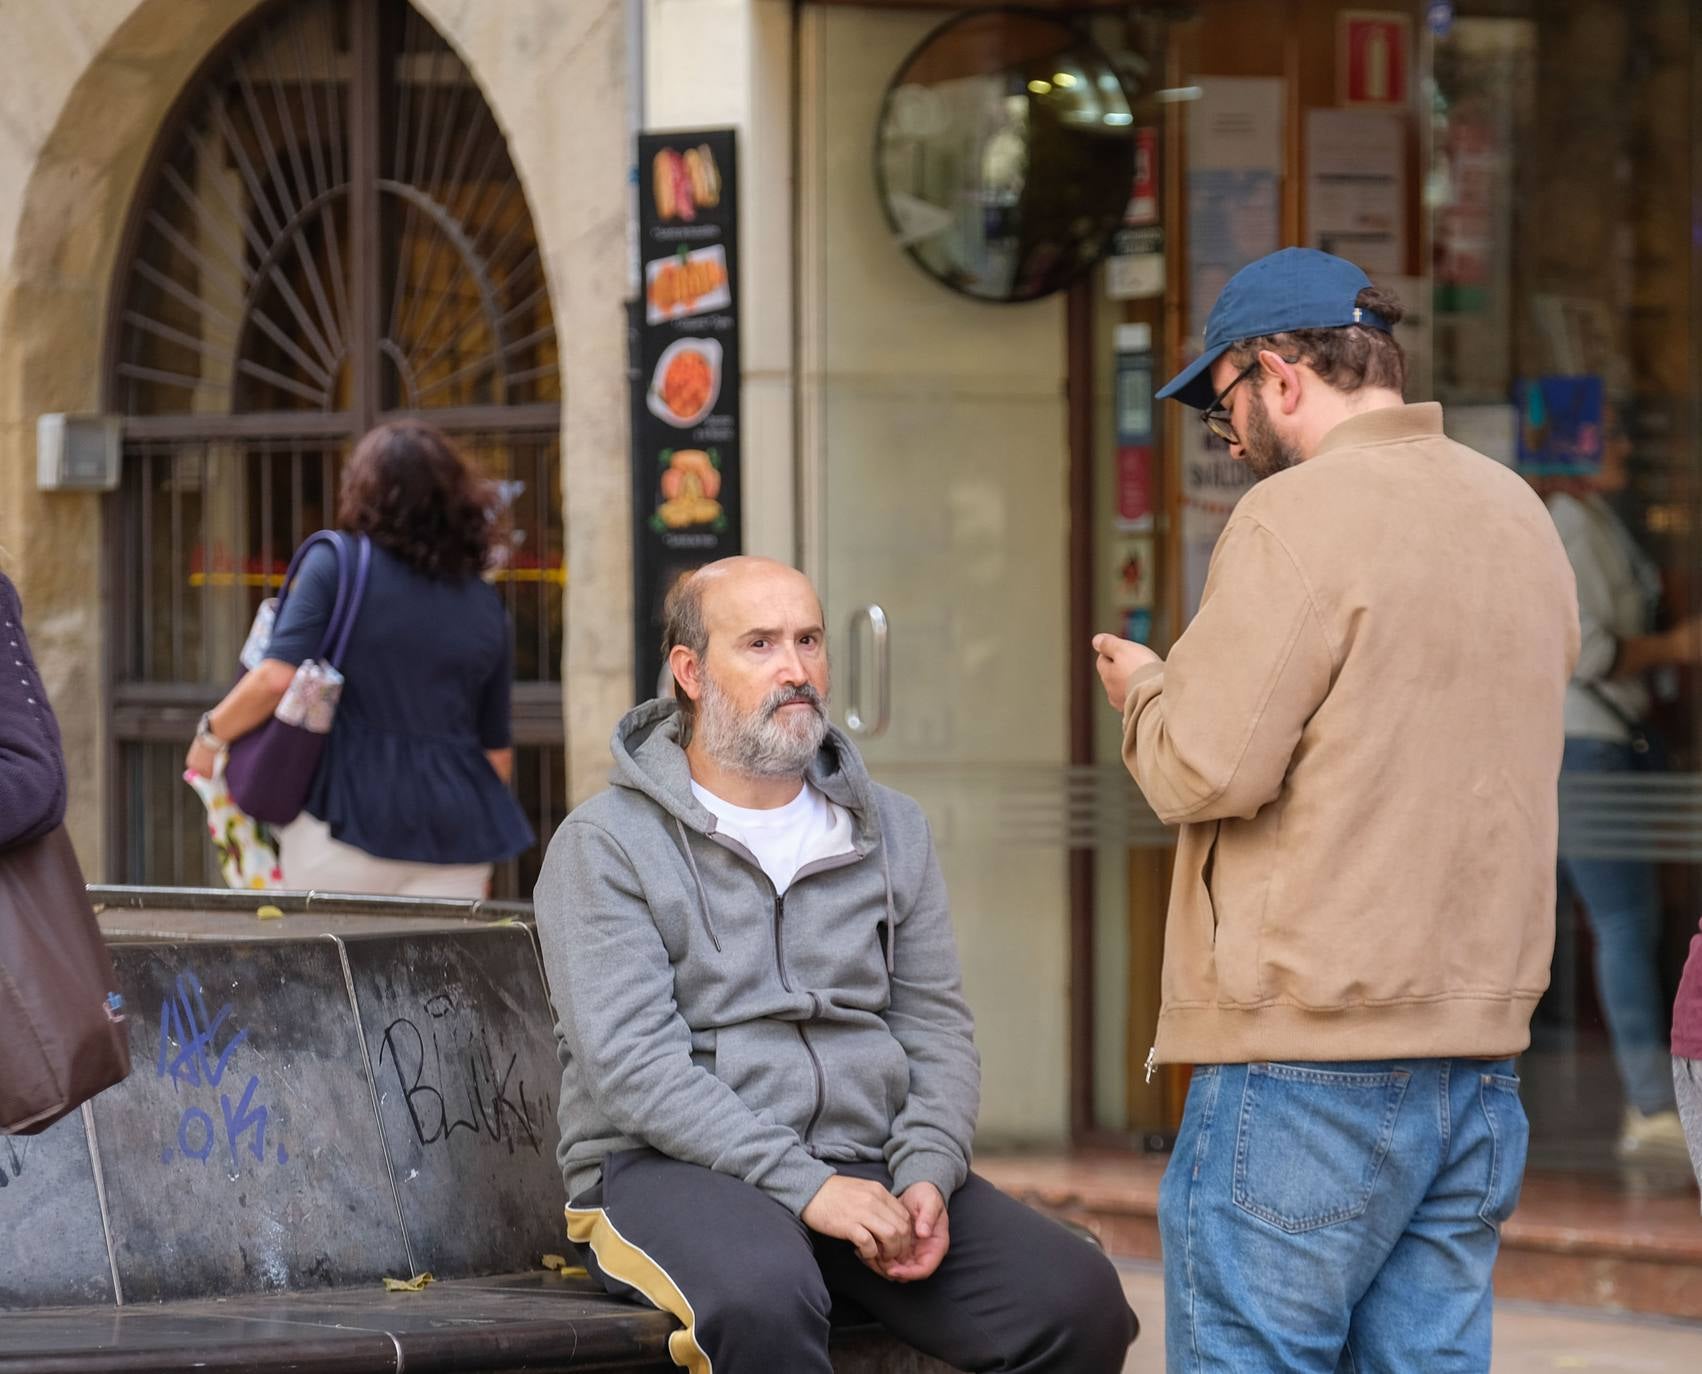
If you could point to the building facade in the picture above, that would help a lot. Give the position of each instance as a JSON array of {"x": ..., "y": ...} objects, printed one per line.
[{"x": 245, "y": 229}]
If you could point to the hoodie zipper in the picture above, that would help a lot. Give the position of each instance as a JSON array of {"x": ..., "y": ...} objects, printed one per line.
[{"x": 815, "y": 1006}]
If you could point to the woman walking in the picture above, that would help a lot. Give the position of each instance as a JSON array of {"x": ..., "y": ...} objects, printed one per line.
[{"x": 411, "y": 794}]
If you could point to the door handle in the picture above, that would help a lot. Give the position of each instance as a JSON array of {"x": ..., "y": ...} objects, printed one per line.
[{"x": 858, "y": 719}]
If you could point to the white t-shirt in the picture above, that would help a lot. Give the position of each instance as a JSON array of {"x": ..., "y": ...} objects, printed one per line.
[{"x": 783, "y": 838}]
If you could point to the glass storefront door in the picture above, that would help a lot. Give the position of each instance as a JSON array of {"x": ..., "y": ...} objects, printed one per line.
[
  {"x": 1521, "y": 174},
  {"x": 1561, "y": 182},
  {"x": 935, "y": 459}
]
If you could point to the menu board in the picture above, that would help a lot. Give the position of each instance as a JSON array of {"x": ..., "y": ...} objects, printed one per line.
[{"x": 685, "y": 374}]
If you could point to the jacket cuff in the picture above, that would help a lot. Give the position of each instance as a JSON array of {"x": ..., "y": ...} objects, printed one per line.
[
  {"x": 1137, "y": 678},
  {"x": 945, "y": 1172},
  {"x": 796, "y": 1179}
]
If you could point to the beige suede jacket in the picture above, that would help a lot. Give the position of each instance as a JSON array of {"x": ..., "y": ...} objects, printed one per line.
[{"x": 1360, "y": 736}]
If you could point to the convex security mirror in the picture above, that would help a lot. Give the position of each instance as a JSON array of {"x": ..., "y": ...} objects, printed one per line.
[{"x": 1005, "y": 153}]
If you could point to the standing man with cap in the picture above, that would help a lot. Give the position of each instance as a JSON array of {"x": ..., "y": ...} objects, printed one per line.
[{"x": 1360, "y": 737}]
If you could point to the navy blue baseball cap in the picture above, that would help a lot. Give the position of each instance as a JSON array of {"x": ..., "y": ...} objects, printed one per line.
[{"x": 1293, "y": 288}]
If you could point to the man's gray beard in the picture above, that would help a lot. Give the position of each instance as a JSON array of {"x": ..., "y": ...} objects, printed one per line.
[
  {"x": 763, "y": 744},
  {"x": 1267, "y": 455}
]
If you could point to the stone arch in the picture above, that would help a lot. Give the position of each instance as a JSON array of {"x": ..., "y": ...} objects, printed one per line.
[{"x": 75, "y": 134}]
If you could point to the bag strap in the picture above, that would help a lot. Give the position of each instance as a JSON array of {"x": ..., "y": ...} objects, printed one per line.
[
  {"x": 338, "y": 542},
  {"x": 322, "y": 537},
  {"x": 1639, "y": 735},
  {"x": 349, "y": 605}
]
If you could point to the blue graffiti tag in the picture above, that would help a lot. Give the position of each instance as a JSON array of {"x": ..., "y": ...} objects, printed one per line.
[
  {"x": 199, "y": 1062},
  {"x": 185, "y": 1019}
]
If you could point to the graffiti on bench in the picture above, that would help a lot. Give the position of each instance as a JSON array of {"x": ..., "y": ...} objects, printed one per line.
[
  {"x": 497, "y": 1110},
  {"x": 198, "y": 1062},
  {"x": 16, "y": 1152}
]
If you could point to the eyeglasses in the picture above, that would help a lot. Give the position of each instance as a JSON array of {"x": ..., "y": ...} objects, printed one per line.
[{"x": 1216, "y": 418}]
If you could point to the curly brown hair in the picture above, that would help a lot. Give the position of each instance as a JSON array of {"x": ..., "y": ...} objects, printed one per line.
[
  {"x": 1347, "y": 358},
  {"x": 413, "y": 491}
]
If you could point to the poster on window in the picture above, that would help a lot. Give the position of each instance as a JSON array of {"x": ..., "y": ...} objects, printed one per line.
[
  {"x": 1356, "y": 188},
  {"x": 1234, "y": 184},
  {"x": 684, "y": 368}
]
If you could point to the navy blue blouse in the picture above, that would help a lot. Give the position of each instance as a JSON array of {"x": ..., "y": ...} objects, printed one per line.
[{"x": 426, "y": 692}]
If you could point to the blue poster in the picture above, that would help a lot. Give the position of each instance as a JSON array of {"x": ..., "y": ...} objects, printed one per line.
[{"x": 1560, "y": 426}]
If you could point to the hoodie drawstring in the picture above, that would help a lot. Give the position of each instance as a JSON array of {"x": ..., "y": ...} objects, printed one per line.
[
  {"x": 891, "y": 917},
  {"x": 703, "y": 893}
]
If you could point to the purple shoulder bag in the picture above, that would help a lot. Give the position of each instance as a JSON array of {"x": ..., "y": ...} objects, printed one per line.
[{"x": 271, "y": 768}]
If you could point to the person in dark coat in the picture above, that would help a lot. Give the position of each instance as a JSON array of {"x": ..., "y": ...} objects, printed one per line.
[
  {"x": 32, "y": 762},
  {"x": 411, "y": 796}
]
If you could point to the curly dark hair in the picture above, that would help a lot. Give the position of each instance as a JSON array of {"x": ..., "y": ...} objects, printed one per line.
[
  {"x": 414, "y": 492},
  {"x": 1347, "y": 358}
]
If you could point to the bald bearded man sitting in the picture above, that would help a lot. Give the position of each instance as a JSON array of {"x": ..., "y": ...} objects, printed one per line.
[{"x": 769, "y": 1076}]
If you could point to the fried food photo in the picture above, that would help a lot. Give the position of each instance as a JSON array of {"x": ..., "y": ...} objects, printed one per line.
[
  {"x": 687, "y": 382},
  {"x": 690, "y": 485},
  {"x": 685, "y": 284}
]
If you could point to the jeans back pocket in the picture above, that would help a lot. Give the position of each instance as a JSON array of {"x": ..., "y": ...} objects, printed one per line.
[
  {"x": 1311, "y": 1141},
  {"x": 1509, "y": 1136}
]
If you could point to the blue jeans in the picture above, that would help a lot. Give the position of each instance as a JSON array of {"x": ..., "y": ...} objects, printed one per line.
[
  {"x": 1623, "y": 906},
  {"x": 1339, "y": 1217}
]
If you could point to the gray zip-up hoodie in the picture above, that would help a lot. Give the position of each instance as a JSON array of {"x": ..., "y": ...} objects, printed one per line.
[{"x": 705, "y": 1016}]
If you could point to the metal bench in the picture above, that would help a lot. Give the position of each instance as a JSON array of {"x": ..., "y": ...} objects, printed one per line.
[{"x": 326, "y": 1094}]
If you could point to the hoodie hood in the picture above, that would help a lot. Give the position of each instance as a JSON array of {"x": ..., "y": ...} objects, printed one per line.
[{"x": 649, "y": 759}]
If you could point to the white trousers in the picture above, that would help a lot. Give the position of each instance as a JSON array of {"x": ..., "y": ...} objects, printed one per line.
[{"x": 314, "y": 861}]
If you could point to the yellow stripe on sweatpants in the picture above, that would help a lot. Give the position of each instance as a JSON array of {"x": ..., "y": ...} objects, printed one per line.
[{"x": 630, "y": 1264}]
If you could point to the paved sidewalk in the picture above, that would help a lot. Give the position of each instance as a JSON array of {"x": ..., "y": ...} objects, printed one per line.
[{"x": 1529, "y": 1338}]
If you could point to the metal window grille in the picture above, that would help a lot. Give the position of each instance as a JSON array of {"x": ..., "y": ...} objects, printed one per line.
[{"x": 330, "y": 232}]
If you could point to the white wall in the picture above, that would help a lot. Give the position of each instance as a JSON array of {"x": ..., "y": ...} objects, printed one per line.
[
  {"x": 935, "y": 462},
  {"x": 728, "y": 63}
]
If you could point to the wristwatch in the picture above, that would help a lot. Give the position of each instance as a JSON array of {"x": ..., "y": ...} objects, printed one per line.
[{"x": 204, "y": 735}]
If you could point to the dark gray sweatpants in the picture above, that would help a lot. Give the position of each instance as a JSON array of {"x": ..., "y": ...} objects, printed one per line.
[{"x": 754, "y": 1288}]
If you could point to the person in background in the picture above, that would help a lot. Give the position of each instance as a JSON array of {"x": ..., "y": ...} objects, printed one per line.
[
  {"x": 411, "y": 796},
  {"x": 1687, "y": 1053},
  {"x": 1607, "y": 703},
  {"x": 32, "y": 763}
]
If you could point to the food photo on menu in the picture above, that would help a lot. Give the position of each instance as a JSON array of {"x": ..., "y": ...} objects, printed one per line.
[
  {"x": 685, "y": 183},
  {"x": 686, "y": 283},
  {"x": 686, "y": 382},
  {"x": 690, "y": 490}
]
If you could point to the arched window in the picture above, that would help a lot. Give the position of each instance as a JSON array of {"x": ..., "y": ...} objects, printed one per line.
[{"x": 330, "y": 232}]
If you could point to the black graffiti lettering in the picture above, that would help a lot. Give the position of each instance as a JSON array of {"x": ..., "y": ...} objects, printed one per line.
[
  {"x": 411, "y": 1091},
  {"x": 497, "y": 1106},
  {"x": 17, "y": 1151},
  {"x": 502, "y": 1101},
  {"x": 460, "y": 1123}
]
